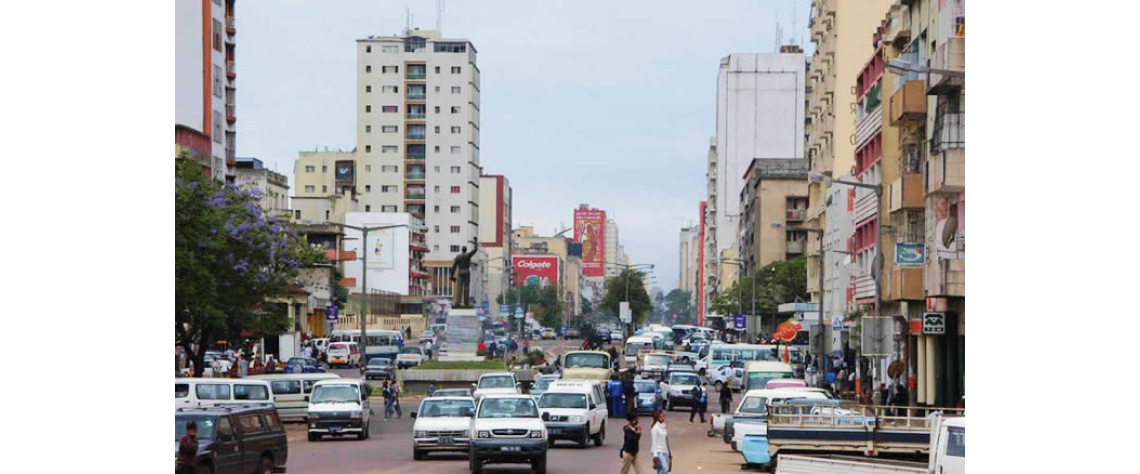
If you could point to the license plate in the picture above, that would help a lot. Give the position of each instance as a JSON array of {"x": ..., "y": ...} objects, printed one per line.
[
  {"x": 511, "y": 448},
  {"x": 446, "y": 441},
  {"x": 555, "y": 431},
  {"x": 334, "y": 429}
]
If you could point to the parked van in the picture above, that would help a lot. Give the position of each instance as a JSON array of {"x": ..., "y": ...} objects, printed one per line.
[
  {"x": 344, "y": 354},
  {"x": 758, "y": 373},
  {"x": 636, "y": 344},
  {"x": 574, "y": 410},
  {"x": 207, "y": 392},
  {"x": 339, "y": 407},
  {"x": 291, "y": 392}
]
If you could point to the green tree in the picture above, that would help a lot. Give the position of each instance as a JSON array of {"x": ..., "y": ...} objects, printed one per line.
[
  {"x": 778, "y": 282},
  {"x": 679, "y": 302},
  {"x": 229, "y": 258},
  {"x": 616, "y": 291},
  {"x": 540, "y": 299}
]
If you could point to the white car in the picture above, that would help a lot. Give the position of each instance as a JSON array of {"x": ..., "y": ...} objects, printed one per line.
[
  {"x": 721, "y": 374},
  {"x": 496, "y": 383},
  {"x": 576, "y": 411},
  {"x": 757, "y": 402},
  {"x": 677, "y": 389},
  {"x": 427, "y": 335},
  {"x": 339, "y": 407},
  {"x": 442, "y": 424},
  {"x": 409, "y": 356},
  {"x": 344, "y": 354},
  {"x": 507, "y": 429}
]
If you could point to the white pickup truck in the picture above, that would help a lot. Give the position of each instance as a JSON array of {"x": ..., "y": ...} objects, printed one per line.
[{"x": 947, "y": 456}]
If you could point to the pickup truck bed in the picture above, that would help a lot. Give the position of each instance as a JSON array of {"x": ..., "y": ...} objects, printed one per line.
[
  {"x": 870, "y": 430},
  {"x": 828, "y": 464}
]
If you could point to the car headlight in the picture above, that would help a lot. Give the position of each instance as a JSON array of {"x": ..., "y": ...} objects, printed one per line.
[
  {"x": 354, "y": 415},
  {"x": 484, "y": 434},
  {"x": 576, "y": 419},
  {"x": 537, "y": 434},
  {"x": 419, "y": 434}
]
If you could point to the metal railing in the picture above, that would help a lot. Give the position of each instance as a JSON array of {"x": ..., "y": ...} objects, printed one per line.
[
  {"x": 415, "y": 176},
  {"x": 416, "y": 76},
  {"x": 417, "y": 116}
]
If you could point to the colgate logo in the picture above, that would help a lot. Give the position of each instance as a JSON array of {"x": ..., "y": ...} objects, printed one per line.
[{"x": 534, "y": 265}]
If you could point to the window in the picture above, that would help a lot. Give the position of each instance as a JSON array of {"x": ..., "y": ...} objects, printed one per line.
[
  {"x": 324, "y": 168},
  {"x": 956, "y": 441},
  {"x": 368, "y": 49},
  {"x": 390, "y": 48},
  {"x": 455, "y": 129},
  {"x": 389, "y": 189},
  {"x": 455, "y": 90},
  {"x": 437, "y": 169},
  {"x": 437, "y": 109},
  {"x": 437, "y": 129},
  {"x": 324, "y": 189},
  {"x": 250, "y": 423},
  {"x": 389, "y": 149},
  {"x": 455, "y": 169},
  {"x": 271, "y": 420},
  {"x": 367, "y": 109},
  {"x": 368, "y": 168},
  {"x": 390, "y": 109},
  {"x": 310, "y": 169},
  {"x": 389, "y": 89},
  {"x": 455, "y": 209},
  {"x": 297, "y": 214},
  {"x": 437, "y": 189},
  {"x": 368, "y": 69},
  {"x": 286, "y": 387},
  {"x": 390, "y": 69},
  {"x": 219, "y": 127},
  {"x": 367, "y": 129},
  {"x": 213, "y": 391},
  {"x": 250, "y": 392},
  {"x": 326, "y": 215},
  {"x": 437, "y": 72},
  {"x": 437, "y": 87},
  {"x": 310, "y": 189},
  {"x": 390, "y": 168},
  {"x": 436, "y": 210},
  {"x": 442, "y": 47},
  {"x": 389, "y": 128},
  {"x": 181, "y": 390},
  {"x": 455, "y": 109},
  {"x": 436, "y": 229},
  {"x": 217, "y": 81},
  {"x": 437, "y": 148},
  {"x": 217, "y": 36},
  {"x": 224, "y": 427},
  {"x": 455, "y": 150},
  {"x": 368, "y": 89},
  {"x": 368, "y": 148},
  {"x": 367, "y": 208},
  {"x": 454, "y": 248},
  {"x": 455, "y": 190},
  {"x": 456, "y": 69},
  {"x": 454, "y": 229},
  {"x": 367, "y": 188},
  {"x": 387, "y": 208}
]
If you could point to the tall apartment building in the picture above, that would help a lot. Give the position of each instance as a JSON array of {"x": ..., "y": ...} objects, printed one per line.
[
  {"x": 612, "y": 255},
  {"x": 205, "y": 85},
  {"x": 841, "y": 32},
  {"x": 772, "y": 202},
  {"x": 709, "y": 255},
  {"x": 495, "y": 198},
  {"x": 688, "y": 259},
  {"x": 759, "y": 114}
]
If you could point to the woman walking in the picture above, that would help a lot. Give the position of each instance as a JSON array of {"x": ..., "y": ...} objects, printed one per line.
[
  {"x": 662, "y": 454},
  {"x": 630, "y": 447}
]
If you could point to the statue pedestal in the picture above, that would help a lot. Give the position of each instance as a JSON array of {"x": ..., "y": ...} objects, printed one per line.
[{"x": 464, "y": 330}]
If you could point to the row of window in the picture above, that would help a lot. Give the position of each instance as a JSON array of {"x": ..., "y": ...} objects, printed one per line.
[
  {"x": 310, "y": 188},
  {"x": 413, "y": 45},
  {"x": 396, "y": 69},
  {"x": 396, "y": 90},
  {"x": 455, "y": 150},
  {"x": 393, "y": 109},
  {"x": 383, "y": 169}
]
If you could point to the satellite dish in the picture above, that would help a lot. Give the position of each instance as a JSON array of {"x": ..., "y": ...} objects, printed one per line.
[
  {"x": 877, "y": 267},
  {"x": 949, "y": 231}
]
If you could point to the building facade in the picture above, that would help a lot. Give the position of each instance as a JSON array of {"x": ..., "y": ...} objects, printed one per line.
[
  {"x": 612, "y": 254},
  {"x": 772, "y": 202},
  {"x": 205, "y": 85},
  {"x": 273, "y": 186},
  {"x": 688, "y": 260},
  {"x": 495, "y": 197}
]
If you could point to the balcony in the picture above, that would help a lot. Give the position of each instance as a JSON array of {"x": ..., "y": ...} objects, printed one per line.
[
  {"x": 415, "y": 157},
  {"x": 947, "y": 172},
  {"x": 864, "y": 286},
  {"x": 415, "y": 176},
  {"x": 230, "y": 116},
  {"x": 344, "y": 255},
  {"x": 417, "y": 116},
  {"x": 230, "y": 25},
  {"x": 795, "y": 215},
  {"x": 865, "y": 206},
  {"x": 909, "y": 102},
  {"x": 906, "y": 193},
  {"x": 795, "y": 247},
  {"x": 899, "y": 31},
  {"x": 230, "y": 71},
  {"x": 416, "y": 136},
  {"x": 416, "y": 96},
  {"x": 869, "y": 126},
  {"x": 414, "y": 195},
  {"x": 905, "y": 284},
  {"x": 950, "y": 55}
]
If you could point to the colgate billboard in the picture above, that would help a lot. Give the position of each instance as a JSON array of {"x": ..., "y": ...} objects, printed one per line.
[{"x": 541, "y": 269}]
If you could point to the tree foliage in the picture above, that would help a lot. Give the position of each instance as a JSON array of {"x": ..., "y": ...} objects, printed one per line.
[
  {"x": 778, "y": 282},
  {"x": 639, "y": 301},
  {"x": 542, "y": 300},
  {"x": 680, "y": 302},
  {"x": 229, "y": 258}
]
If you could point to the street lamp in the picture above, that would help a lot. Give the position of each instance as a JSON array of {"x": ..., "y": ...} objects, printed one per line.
[{"x": 364, "y": 276}]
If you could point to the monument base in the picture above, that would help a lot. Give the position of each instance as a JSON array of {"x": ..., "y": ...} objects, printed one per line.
[{"x": 462, "y": 333}]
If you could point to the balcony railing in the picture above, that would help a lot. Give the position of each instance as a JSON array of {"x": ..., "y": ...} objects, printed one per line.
[
  {"x": 414, "y": 195},
  {"x": 951, "y": 56},
  {"x": 230, "y": 71},
  {"x": 795, "y": 246},
  {"x": 909, "y": 102},
  {"x": 420, "y": 96},
  {"x": 796, "y": 215},
  {"x": 417, "y": 136},
  {"x": 414, "y": 76},
  {"x": 419, "y": 116},
  {"x": 230, "y": 25},
  {"x": 412, "y": 175},
  {"x": 416, "y": 157}
]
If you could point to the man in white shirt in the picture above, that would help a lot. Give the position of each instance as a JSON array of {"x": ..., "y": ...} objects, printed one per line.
[{"x": 662, "y": 455}]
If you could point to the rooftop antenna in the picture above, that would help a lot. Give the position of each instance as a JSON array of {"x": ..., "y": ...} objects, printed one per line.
[
  {"x": 407, "y": 20},
  {"x": 439, "y": 17},
  {"x": 794, "y": 27},
  {"x": 779, "y": 33}
]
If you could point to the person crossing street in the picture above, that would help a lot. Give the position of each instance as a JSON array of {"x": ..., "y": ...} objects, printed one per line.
[
  {"x": 700, "y": 403},
  {"x": 726, "y": 395}
]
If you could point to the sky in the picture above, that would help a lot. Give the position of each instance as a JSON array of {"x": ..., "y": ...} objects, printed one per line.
[{"x": 606, "y": 103}]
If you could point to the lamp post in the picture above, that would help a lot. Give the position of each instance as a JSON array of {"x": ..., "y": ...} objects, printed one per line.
[{"x": 364, "y": 277}]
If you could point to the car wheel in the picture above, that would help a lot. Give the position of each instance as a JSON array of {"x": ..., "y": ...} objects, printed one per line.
[
  {"x": 585, "y": 437},
  {"x": 314, "y": 437},
  {"x": 206, "y": 468},
  {"x": 266, "y": 465},
  {"x": 600, "y": 438},
  {"x": 539, "y": 465},
  {"x": 417, "y": 455},
  {"x": 476, "y": 464},
  {"x": 719, "y": 386}
]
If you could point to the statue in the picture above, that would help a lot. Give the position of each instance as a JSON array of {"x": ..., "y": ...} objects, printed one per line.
[{"x": 461, "y": 274}]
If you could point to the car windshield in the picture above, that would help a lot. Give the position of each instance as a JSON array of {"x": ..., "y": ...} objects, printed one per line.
[
  {"x": 338, "y": 347},
  {"x": 542, "y": 383},
  {"x": 379, "y": 362},
  {"x": 584, "y": 361},
  {"x": 562, "y": 400},
  {"x": 754, "y": 405},
  {"x": 760, "y": 379},
  {"x": 684, "y": 379},
  {"x": 205, "y": 426},
  {"x": 645, "y": 387},
  {"x": 497, "y": 381},
  {"x": 508, "y": 408},
  {"x": 633, "y": 347},
  {"x": 453, "y": 393},
  {"x": 411, "y": 350},
  {"x": 343, "y": 393},
  {"x": 658, "y": 360},
  {"x": 443, "y": 408}
]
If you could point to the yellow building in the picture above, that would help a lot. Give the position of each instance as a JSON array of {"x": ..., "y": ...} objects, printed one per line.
[{"x": 774, "y": 199}]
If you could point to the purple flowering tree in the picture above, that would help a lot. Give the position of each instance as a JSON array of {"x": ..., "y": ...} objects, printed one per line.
[{"x": 229, "y": 258}]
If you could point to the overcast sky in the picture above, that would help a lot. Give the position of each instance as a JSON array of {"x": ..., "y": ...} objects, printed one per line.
[{"x": 601, "y": 102}]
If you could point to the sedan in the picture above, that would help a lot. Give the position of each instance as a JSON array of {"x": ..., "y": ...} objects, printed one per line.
[
  {"x": 308, "y": 365},
  {"x": 380, "y": 368}
]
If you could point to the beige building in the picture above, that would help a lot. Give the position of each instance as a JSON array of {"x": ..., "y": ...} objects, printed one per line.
[
  {"x": 774, "y": 200},
  {"x": 273, "y": 186},
  {"x": 613, "y": 253},
  {"x": 495, "y": 197},
  {"x": 524, "y": 242},
  {"x": 688, "y": 260},
  {"x": 841, "y": 32}
]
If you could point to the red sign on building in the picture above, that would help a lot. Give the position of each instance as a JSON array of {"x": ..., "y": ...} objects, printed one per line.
[
  {"x": 590, "y": 231},
  {"x": 535, "y": 269}
]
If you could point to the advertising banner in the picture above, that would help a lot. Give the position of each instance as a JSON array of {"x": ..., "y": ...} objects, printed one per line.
[
  {"x": 590, "y": 231},
  {"x": 541, "y": 269},
  {"x": 345, "y": 170},
  {"x": 382, "y": 245},
  {"x": 910, "y": 254}
]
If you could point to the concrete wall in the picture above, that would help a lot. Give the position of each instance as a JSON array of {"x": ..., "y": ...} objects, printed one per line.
[{"x": 773, "y": 197}]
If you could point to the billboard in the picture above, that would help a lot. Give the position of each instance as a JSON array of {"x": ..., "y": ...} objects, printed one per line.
[
  {"x": 540, "y": 269},
  {"x": 590, "y": 231},
  {"x": 910, "y": 254},
  {"x": 345, "y": 170},
  {"x": 389, "y": 256},
  {"x": 382, "y": 248}
]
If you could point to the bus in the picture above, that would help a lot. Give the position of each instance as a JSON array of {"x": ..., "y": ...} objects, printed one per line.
[
  {"x": 719, "y": 354},
  {"x": 381, "y": 342}
]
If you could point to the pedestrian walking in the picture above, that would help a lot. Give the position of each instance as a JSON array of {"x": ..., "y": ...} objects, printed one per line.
[
  {"x": 271, "y": 366},
  {"x": 659, "y": 444},
  {"x": 243, "y": 366},
  {"x": 614, "y": 389},
  {"x": 726, "y": 395},
  {"x": 700, "y": 403},
  {"x": 187, "y": 460},
  {"x": 395, "y": 390},
  {"x": 631, "y": 445},
  {"x": 629, "y": 391},
  {"x": 427, "y": 348},
  {"x": 387, "y": 394},
  {"x": 431, "y": 389},
  {"x": 408, "y": 332}
]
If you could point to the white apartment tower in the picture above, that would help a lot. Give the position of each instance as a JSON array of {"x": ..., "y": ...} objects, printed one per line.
[
  {"x": 612, "y": 256},
  {"x": 418, "y": 137},
  {"x": 205, "y": 85}
]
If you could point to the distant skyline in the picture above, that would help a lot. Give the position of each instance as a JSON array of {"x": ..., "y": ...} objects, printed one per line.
[{"x": 611, "y": 104}]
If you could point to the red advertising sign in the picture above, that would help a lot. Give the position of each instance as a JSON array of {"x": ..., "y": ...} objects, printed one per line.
[
  {"x": 541, "y": 269},
  {"x": 590, "y": 231}
]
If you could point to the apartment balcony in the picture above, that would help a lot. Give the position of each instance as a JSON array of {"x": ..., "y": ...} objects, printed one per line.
[
  {"x": 230, "y": 25},
  {"x": 949, "y": 277},
  {"x": 951, "y": 56},
  {"x": 795, "y": 215},
  {"x": 899, "y": 31},
  {"x": 419, "y": 116},
  {"x": 946, "y": 172},
  {"x": 870, "y": 125},
  {"x": 909, "y": 102},
  {"x": 795, "y": 247},
  {"x": 416, "y": 98},
  {"x": 416, "y": 76},
  {"x": 905, "y": 283},
  {"x": 415, "y": 176},
  {"x": 864, "y": 286},
  {"x": 343, "y": 255},
  {"x": 230, "y": 116},
  {"x": 418, "y": 247},
  {"x": 906, "y": 193},
  {"x": 865, "y": 208},
  {"x": 415, "y": 157},
  {"x": 414, "y": 196},
  {"x": 417, "y": 136},
  {"x": 230, "y": 71}
]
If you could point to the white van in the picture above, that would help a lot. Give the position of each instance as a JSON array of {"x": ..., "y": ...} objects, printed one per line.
[
  {"x": 574, "y": 410},
  {"x": 339, "y": 407},
  {"x": 758, "y": 373},
  {"x": 344, "y": 354},
  {"x": 209, "y": 392},
  {"x": 634, "y": 345},
  {"x": 291, "y": 392}
]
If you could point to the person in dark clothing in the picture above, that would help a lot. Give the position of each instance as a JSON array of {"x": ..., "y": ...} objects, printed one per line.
[
  {"x": 187, "y": 460},
  {"x": 631, "y": 445},
  {"x": 630, "y": 392},
  {"x": 726, "y": 396},
  {"x": 700, "y": 402}
]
